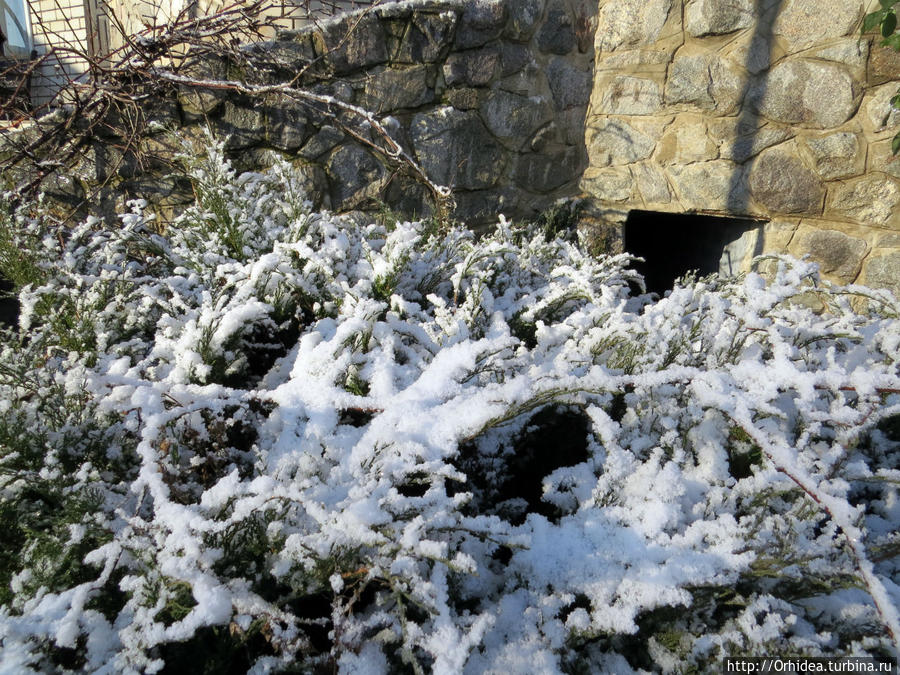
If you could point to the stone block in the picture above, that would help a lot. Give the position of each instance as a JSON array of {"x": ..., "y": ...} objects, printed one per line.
[
  {"x": 686, "y": 141},
  {"x": 718, "y": 17},
  {"x": 881, "y": 158},
  {"x": 612, "y": 142},
  {"x": 390, "y": 89},
  {"x": 286, "y": 126},
  {"x": 608, "y": 185},
  {"x": 801, "y": 23},
  {"x": 651, "y": 183},
  {"x": 515, "y": 118},
  {"x": 241, "y": 126},
  {"x": 816, "y": 94},
  {"x": 850, "y": 51},
  {"x": 883, "y": 271},
  {"x": 700, "y": 79},
  {"x": 427, "y": 38},
  {"x": 739, "y": 142},
  {"x": 324, "y": 140},
  {"x": 837, "y": 155},
  {"x": 480, "y": 23},
  {"x": 198, "y": 103},
  {"x": 630, "y": 23},
  {"x": 356, "y": 177},
  {"x": 524, "y": 16},
  {"x": 869, "y": 200},
  {"x": 456, "y": 149},
  {"x": 839, "y": 255},
  {"x": 352, "y": 43},
  {"x": 557, "y": 34},
  {"x": 628, "y": 95},
  {"x": 708, "y": 186},
  {"x": 781, "y": 183},
  {"x": 514, "y": 58},
  {"x": 569, "y": 86},
  {"x": 545, "y": 172},
  {"x": 463, "y": 99},
  {"x": 878, "y": 113},
  {"x": 474, "y": 68}
]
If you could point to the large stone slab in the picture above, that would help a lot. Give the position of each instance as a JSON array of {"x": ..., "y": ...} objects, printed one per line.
[
  {"x": 718, "y": 17},
  {"x": 739, "y": 142},
  {"x": 456, "y": 149},
  {"x": 612, "y": 142},
  {"x": 546, "y": 172},
  {"x": 782, "y": 183},
  {"x": 630, "y": 23},
  {"x": 608, "y": 185},
  {"x": 473, "y": 68},
  {"x": 870, "y": 200},
  {"x": 628, "y": 95},
  {"x": 878, "y": 111},
  {"x": 701, "y": 80},
  {"x": 651, "y": 183},
  {"x": 686, "y": 141},
  {"x": 242, "y": 126},
  {"x": 816, "y": 94}
]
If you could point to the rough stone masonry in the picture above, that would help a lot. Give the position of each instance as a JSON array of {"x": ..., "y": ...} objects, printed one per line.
[{"x": 776, "y": 110}]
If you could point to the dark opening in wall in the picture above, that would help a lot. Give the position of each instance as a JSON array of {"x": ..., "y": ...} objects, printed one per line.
[
  {"x": 673, "y": 244},
  {"x": 9, "y": 304}
]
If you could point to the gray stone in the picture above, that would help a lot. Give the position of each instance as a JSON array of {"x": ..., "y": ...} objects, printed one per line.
[
  {"x": 241, "y": 126},
  {"x": 627, "y": 95},
  {"x": 783, "y": 184},
  {"x": 352, "y": 43},
  {"x": 481, "y": 208},
  {"x": 851, "y": 52},
  {"x": 390, "y": 89},
  {"x": 718, "y": 17},
  {"x": 557, "y": 35},
  {"x": 630, "y": 23},
  {"x": 523, "y": 19},
  {"x": 838, "y": 254},
  {"x": 608, "y": 185},
  {"x": 480, "y": 23},
  {"x": 355, "y": 177},
  {"x": 456, "y": 149},
  {"x": 707, "y": 185},
  {"x": 197, "y": 104},
  {"x": 548, "y": 171},
  {"x": 880, "y": 114},
  {"x": 463, "y": 99},
  {"x": 870, "y": 200},
  {"x": 884, "y": 272},
  {"x": 702, "y": 80},
  {"x": 739, "y": 145},
  {"x": 428, "y": 37},
  {"x": 834, "y": 156},
  {"x": 652, "y": 184},
  {"x": 569, "y": 86},
  {"x": 614, "y": 142},
  {"x": 326, "y": 139},
  {"x": 548, "y": 134},
  {"x": 513, "y": 117},
  {"x": 285, "y": 126},
  {"x": 802, "y": 24},
  {"x": 290, "y": 54},
  {"x": 513, "y": 58},
  {"x": 817, "y": 94},
  {"x": 473, "y": 68}
]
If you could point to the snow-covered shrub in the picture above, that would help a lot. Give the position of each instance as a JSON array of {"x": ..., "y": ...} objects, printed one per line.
[{"x": 277, "y": 439}]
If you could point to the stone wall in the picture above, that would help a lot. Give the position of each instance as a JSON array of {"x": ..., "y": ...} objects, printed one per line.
[
  {"x": 776, "y": 110},
  {"x": 489, "y": 96}
]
